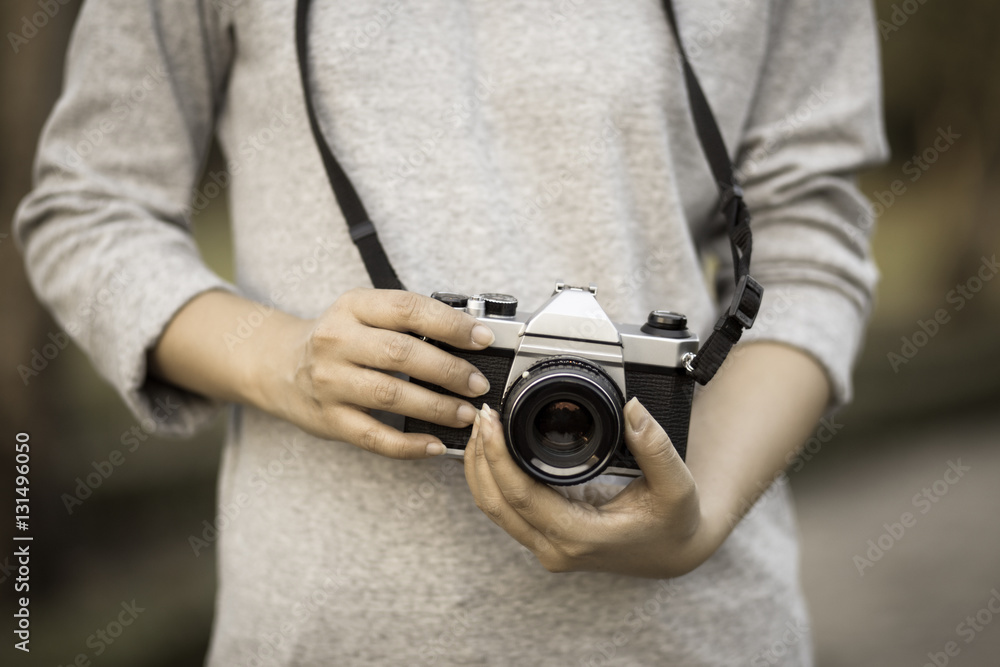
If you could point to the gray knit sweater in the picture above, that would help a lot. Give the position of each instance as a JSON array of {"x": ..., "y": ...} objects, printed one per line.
[{"x": 498, "y": 146}]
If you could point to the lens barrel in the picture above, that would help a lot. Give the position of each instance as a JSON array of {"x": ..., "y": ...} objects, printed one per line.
[{"x": 563, "y": 419}]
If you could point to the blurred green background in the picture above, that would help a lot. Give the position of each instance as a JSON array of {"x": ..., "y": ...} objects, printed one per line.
[{"x": 128, "y": 541}]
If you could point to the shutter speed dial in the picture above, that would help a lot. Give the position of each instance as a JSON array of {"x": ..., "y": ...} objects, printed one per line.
[{"x": 499, "y": 305}]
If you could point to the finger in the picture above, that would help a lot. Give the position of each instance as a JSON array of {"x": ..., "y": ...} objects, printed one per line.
[
  {"x": 375, "y": 390},
  {"x": 469, "y": 459},
  {"x": 663, "y": 468},
  {"x": 547, "y": 511},
  {"x": 366, "y": 432},
  {"x": 408, "y": 311},
  {"x": 393, "y": 351},
  {"x": 492, "y": 502}
]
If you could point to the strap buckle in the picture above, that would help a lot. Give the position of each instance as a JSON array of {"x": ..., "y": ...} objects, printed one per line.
[
  {"x": 361, "y": 230},
  {"x": 730, "y": 192},
  {"x": 746, "y": 301}
]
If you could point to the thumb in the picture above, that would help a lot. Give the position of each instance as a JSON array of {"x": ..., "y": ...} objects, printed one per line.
[{"x": 662, "y": 466}]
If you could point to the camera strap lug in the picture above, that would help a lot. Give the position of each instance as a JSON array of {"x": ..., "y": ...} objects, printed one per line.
[{"x": 688, "y": 360}]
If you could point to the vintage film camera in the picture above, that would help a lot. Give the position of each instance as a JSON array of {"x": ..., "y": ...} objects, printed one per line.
[{"x": 560, "y": 378}]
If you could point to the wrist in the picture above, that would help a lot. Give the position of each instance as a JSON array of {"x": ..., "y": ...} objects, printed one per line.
[
  {"x": 691, "y": 553},
  {"x": 269, "y": 363},
  {"x": 717, "y": 522}
]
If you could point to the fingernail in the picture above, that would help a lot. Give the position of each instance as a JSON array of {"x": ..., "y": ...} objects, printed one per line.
[
  {"x": 466, "y": 413},
  {"x": 478, "y": 384},
  {"x": 636, "y": 416},
  {"x": 475, "y": 427},
  {"x": 482, "y": 335},
  {"x": 435, "y": 449}
]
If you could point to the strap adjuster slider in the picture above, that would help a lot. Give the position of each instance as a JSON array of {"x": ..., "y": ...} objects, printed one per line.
[{"x": 746, "y": 301}]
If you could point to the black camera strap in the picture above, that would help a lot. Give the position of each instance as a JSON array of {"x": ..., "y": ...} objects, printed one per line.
[
  {"x": 746, "y": 300},
  {"x": 358, "y": 223}
]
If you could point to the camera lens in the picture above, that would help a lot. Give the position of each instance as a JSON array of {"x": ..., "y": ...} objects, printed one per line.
[{"x": 563, "y": 420}]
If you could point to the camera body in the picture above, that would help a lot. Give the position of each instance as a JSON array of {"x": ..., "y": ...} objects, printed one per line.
[{"x": 560, "y": 378}]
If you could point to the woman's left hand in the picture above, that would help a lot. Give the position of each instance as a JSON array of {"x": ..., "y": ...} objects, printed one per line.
[{"x": 653, "y": 528}]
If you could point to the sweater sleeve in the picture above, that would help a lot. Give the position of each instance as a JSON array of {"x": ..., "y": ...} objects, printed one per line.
[
  {"x": 106, "y": 230},
  {"x": 816, "y": 120}
]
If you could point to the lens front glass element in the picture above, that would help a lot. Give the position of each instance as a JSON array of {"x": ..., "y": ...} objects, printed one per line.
[{"x": 564, "y": 426}]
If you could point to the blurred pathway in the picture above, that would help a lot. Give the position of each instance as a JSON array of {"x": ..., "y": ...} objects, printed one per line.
[{"x": 934, "y": 556}]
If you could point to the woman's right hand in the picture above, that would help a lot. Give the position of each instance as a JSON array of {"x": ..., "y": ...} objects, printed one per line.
[
  {"x": 335, "y": 369},
  {"x": 326, "y": 375}
]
